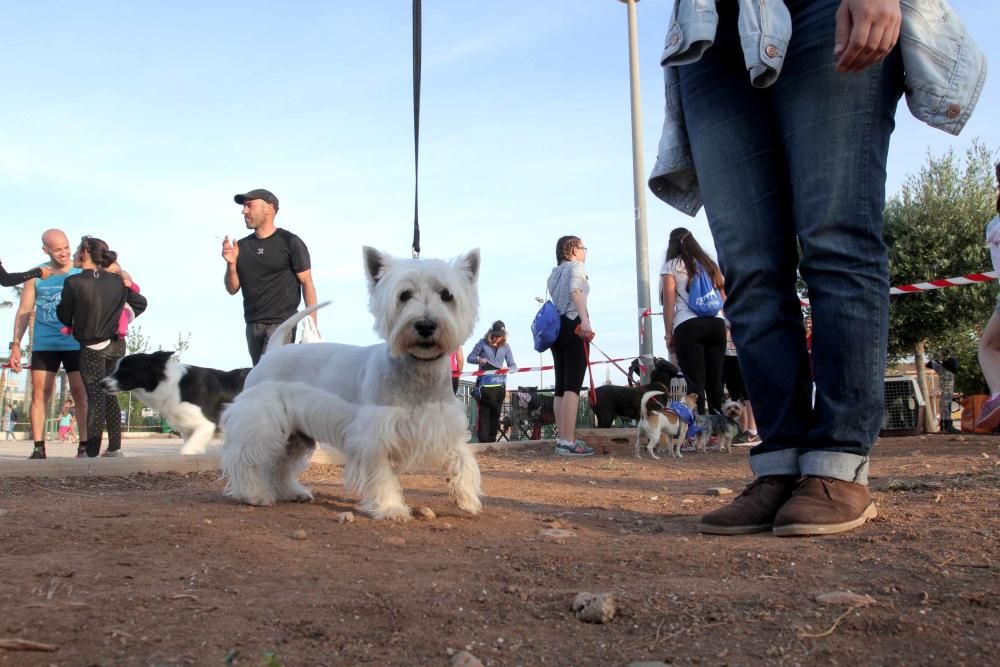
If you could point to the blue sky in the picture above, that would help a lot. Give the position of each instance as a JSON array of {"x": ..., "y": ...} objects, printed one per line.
[{"x": 138, "y": 121}]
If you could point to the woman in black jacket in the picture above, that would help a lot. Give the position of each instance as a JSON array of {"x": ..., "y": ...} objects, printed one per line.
[{"x": 92, "y": 303}]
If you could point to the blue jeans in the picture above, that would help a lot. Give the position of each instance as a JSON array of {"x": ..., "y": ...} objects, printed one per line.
[{"x": 800, "y": 166}]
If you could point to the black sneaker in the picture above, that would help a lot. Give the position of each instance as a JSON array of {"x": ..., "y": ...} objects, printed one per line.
[{"x": 38, "y": 453}]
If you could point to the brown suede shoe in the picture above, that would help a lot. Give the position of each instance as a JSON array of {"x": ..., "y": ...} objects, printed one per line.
[
  {"x": 823, "y": 506},
  {"x": 753, "y": 510}
]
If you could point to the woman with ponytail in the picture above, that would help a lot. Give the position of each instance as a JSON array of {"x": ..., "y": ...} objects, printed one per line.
[
  {"x": 695, "y": 336},
  {"x": 92, "y": 303}
]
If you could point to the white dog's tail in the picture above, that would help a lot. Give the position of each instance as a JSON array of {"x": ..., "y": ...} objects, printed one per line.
[
  {"x": 645, "y": 399},
  {"x": 277, "y": 338}
]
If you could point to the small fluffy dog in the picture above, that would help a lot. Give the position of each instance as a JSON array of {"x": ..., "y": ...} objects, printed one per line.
[
  {"x": 725, "y": 426},
  {"x": 190, "y": 398},
  {"x": 658, "y": 418},
  {"x": 387, "y": 407}
]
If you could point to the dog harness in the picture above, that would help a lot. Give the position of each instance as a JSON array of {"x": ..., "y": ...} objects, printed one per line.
[{"x": 684, "y": 412}]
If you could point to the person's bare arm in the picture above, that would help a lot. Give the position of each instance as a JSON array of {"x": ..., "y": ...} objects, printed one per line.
[
  {"x": 867, "y": 30},
  {"x": 21, "y": 322},
  {"x": 230, "y": 251},
  {"x": 668, "y": 286},
  {"x": 580, "y": 301},
  {"x": 308, "y": 291}
]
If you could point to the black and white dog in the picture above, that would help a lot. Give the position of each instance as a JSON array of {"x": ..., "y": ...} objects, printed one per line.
[
  {"x": 616, "y": 401},
  {"x": 190, "y": 398}
]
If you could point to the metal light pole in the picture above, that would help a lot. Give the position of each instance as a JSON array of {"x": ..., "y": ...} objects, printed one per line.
[{"x": 639, "y": 184}]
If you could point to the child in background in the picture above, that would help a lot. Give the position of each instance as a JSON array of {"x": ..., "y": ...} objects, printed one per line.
[
  {"x": 65, "y": 423},
  {"x": 127, "y": 313},
  {"x": 989, "y": 344}
]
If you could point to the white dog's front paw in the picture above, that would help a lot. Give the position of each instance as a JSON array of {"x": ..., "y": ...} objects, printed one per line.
[
  {"x": 470, "y": 504},
  {"x": 260, "y": 501},
  {"x": 389, "y": 512},
  {"x": 304, "y": 496}
]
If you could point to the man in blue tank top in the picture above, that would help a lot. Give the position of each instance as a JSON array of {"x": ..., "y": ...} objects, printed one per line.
[{"x": 50, "y": 347}]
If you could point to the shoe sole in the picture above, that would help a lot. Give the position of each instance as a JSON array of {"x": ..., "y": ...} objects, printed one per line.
[
  {"x": 574, "y": 454},
  {"x": 709, "y": 529},
  {"x": 799, "y": 529}
]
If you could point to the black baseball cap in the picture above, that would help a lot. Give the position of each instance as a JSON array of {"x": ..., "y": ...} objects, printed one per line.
[
  {"x": 498, "y": 329},
  {"x": 259, "y": 193}
]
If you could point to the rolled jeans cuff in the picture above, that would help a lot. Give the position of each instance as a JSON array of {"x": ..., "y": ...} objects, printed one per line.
[
  {"x": 838, "y": 465},
  {"x": 779, "y": 462}
]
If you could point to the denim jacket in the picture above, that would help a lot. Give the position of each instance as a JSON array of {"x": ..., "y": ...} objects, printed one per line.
[{"x": 944, "y": 74}]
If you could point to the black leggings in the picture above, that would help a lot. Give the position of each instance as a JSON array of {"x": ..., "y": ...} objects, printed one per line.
[
  {"x": 488, "y": 419},
  {"x": 732, "y": 377},
  {"x": 700, "y": 344},
  {"x": 569, "y": 357},
  {"x": 102, "y": 407}
]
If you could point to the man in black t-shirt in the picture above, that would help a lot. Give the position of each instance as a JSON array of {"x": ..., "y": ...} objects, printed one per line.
[{"x": 272, "y": 268}]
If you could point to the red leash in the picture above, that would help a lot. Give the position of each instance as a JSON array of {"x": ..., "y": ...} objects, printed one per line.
[{"x": 592, "y": 393}]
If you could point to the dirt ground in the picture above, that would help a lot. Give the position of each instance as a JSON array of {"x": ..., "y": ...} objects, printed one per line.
[{"x": 163, "y": 570}]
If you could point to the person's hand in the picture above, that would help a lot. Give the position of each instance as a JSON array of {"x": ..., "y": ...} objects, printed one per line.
[
  {"x": 15, "y": 358},
  {"x": 586, "y": 332},
  {"x": 866, "y": 31},
  {"x": 670, "y": 343},
  {"x": 46, "y": 271},
  {"x": 230, "y": 250}
]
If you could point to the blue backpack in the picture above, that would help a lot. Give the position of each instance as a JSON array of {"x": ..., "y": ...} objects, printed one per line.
[
  {"x": 703, "y": 300},
  {"x": 545, "y": 327}
]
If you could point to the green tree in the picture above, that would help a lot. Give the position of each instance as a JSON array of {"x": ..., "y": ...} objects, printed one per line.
[
  {"x": 135, "y": 341},
  {"x": 934, "y": 229}
]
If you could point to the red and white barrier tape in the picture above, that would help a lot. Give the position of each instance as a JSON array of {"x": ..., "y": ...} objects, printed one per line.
[
  {"x": 970, "y": 279},
  {"x": 524, "y": 369}
]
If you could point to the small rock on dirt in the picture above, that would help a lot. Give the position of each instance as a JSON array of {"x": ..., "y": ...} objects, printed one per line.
[
  {"x": 557, "y": 535},
  {"x": 465, "y": 659},
  {"x": 345, "y": 517},
  {"x": 845, "y": 598},
  {"x": 4, "y": 512},
  {"x": 426, "y": 513},
  {"x": 299, "y": 534},
  {"x": 719, "y": 491},
  {"x": 594, "y": 607}
]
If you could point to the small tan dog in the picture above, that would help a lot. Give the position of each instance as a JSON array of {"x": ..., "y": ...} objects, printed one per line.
[{"x": 657, "y": 418}]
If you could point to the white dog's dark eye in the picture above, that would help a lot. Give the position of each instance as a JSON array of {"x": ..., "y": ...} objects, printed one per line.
[
  {"x": 405, "y": 295},
  {"x": 446, "y": 295}
]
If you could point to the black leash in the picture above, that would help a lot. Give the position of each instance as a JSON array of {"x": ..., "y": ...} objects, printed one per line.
[{"x": 416, "y": 127}]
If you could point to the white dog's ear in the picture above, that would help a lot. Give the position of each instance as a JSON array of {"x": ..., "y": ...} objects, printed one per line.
[
  {"x": 469, "y": 262},
  {"x": 376, "y": 262}
]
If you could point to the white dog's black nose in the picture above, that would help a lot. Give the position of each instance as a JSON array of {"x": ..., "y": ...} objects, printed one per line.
[{"x": 425, "y": 328}]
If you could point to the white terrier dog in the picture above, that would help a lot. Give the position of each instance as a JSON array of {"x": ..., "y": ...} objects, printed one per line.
[{"x": 387, "y": 407}]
